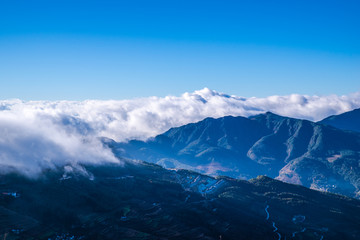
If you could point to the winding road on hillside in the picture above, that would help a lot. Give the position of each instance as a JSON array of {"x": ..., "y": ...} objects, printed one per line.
[{"x": 293, "y": 235}]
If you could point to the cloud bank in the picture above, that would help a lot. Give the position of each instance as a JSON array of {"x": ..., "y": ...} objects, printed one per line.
[
  {"x": 45, "y": 134},
  {"x": 31, "y": 142}
]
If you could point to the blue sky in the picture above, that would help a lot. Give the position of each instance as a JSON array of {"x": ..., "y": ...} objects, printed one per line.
[{"x": 75, "y": 50}]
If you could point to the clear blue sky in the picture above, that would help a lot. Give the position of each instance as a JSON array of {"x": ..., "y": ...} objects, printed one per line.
[{"x": 60, "y": 49}]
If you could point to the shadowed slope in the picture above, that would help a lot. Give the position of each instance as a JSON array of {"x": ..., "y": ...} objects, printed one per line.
[{"x": 145, "y": 201}]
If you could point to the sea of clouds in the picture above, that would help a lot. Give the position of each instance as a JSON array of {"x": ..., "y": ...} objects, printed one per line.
[{"x": 36, "y": 135}]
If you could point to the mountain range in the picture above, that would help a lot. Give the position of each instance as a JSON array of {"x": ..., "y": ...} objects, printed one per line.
[{"x": 313, "y": 154}]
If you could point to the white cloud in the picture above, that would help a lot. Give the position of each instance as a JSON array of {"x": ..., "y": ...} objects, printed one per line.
[
  {"x": 32, "y": 141},
  {"x": 38, "y": 134}
]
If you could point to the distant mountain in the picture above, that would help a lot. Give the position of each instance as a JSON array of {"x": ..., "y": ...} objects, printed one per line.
[
  {"x": 292, "y": 150},
  {"x": 144, "y": 201},
  {"x": 346, "y": 121}
]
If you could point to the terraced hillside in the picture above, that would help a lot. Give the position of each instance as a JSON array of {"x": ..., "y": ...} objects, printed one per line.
[{"x": 145, "y": 201}]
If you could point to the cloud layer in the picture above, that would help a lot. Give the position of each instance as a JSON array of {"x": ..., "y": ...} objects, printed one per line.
[{"x": 42, "y": 134}]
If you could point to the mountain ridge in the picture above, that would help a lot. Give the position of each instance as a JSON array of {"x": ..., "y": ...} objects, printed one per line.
[{"x": 347, "y": 121}]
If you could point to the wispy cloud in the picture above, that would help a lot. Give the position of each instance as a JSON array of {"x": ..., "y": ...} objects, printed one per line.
[{"x": 43, "y": 134}]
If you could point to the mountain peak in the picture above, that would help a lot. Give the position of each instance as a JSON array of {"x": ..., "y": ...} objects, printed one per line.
[
  {"x": 346, "y": 121},
  {"x": 267, "y": 114}
]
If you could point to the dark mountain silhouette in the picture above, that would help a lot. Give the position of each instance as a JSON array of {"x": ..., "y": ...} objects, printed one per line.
[
  {"x": 292, "y": 150},
  {"x": 346, "y": 121},
  {"x": 145, "y": 201}
]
